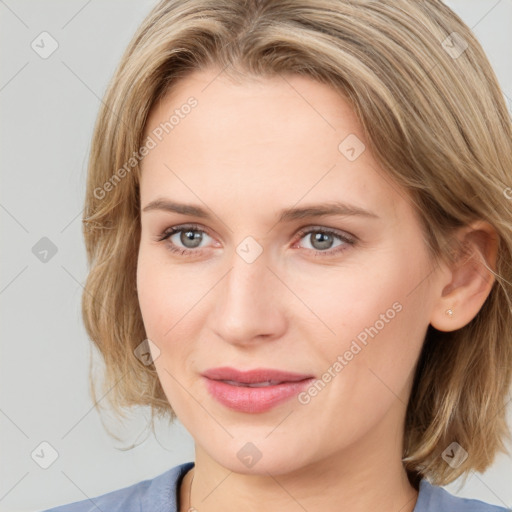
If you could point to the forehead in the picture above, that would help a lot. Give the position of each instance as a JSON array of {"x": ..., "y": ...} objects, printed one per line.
[
  {"x": 259, "y": 107},
  {"x": 282, "y": 137}
]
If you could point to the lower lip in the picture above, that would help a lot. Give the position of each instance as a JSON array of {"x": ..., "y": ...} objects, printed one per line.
[{"x": 254, "y": 400}]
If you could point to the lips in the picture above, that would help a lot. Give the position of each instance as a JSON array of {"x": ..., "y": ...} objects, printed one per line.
[
  {"x": 257, "y": 377},
  {"x": 253, "y": 391}
]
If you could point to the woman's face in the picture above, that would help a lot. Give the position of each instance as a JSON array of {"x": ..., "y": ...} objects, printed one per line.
[{"x": 341, "y": 300}]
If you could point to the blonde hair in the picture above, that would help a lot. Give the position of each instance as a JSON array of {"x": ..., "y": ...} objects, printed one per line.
[{"x": 434, "y": 117}]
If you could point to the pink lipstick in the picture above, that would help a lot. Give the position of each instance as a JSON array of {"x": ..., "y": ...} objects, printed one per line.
[{"x": 254, "y": 391}]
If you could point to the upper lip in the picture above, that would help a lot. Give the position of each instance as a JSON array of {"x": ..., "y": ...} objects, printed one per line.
[{"x": 253, "y": 376}]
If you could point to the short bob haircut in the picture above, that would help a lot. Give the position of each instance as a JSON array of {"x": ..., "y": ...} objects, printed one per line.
[{"x": 434, "y": 117}]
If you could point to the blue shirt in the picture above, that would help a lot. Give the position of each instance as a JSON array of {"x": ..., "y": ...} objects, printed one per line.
[{"x": 160, "y": 494}]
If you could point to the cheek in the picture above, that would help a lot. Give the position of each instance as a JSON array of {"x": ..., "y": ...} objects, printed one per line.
[
  {"x": 162, "y": 306},
  {"x": 162, "y": 291},
  {"x": 173, "y": 305},
  {"x": 375, "y": 319},
  {"x": 157, "y": 293},
  {"x": 368, "y": 370},
  {"x": 344, "y": 302}
]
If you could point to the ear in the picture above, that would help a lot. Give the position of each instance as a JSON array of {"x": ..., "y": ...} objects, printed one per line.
[{"x": 469, "y": 279}]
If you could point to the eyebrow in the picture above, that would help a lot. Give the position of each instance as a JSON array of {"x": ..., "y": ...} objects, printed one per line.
[{"x": 286, "y": 215}]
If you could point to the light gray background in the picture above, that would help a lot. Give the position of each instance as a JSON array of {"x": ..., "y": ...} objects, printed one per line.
[{"x": 48, "y": 107}]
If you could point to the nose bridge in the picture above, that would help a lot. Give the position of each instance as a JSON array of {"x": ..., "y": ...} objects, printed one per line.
[
  {"x": 247, "y": 284},
  {"x": 247, "y": 302}
]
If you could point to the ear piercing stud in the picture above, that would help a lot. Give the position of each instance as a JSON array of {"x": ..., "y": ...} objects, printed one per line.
[{"x": 449, "y": 312}]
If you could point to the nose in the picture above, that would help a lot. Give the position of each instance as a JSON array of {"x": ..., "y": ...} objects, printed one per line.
[{"x": 249, "y": 303}]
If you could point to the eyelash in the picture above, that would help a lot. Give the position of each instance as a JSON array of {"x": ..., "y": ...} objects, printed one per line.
[{"x": 350, "y": 241}]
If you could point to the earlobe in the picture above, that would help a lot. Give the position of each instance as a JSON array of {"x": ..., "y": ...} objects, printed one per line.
[{"x": 470, "y": 280}]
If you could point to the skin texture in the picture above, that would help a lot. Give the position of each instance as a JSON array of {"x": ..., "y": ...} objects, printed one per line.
[{"x": 245, "y": 152}]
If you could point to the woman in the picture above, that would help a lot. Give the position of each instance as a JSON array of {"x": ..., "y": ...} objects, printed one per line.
[{"x": 299, "y": 229}]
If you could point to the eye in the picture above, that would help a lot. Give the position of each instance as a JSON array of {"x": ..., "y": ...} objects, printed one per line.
[
  {"x": 322, "y": 240},
  {"x": 184, "y": 239}
]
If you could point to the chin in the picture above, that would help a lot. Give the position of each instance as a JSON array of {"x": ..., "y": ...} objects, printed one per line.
[{"x": 260, "y": 458}]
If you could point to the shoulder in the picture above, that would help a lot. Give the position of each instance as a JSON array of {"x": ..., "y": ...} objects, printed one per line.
[
  {"x": 158, "y": 493},
  {"x": 435, "y": 498}
]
